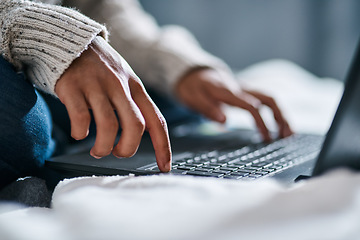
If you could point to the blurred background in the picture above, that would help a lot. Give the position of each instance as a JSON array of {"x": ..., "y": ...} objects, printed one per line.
[{"x": 318, "y": 35}]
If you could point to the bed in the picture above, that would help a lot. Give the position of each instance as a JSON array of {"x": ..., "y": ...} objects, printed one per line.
[{"x": 179, "y": 207}]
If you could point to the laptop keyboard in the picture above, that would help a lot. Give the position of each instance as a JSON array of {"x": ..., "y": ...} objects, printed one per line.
[{"x": 250, "y": 162}]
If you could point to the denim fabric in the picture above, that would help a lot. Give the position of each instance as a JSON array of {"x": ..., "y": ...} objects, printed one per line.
[{"x": 25, "y": 126}]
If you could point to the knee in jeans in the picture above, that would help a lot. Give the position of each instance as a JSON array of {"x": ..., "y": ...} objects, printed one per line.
[
  {"x": 38, "y": 130},
  {"x": 26, "y": 140}
]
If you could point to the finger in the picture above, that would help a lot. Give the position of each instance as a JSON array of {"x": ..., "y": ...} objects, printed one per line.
[
  {"x": 106, "y": 124},
  {"x": 204, "y": 104},
  {"x": 155, "y": 125},
  {"x": 284, "y": 127},
  {"x": 133, "y": 126},
  {"x": 209, "y": 108},
  {"x": 244, "y": 101},
  {"x": 79, "y": 115}
]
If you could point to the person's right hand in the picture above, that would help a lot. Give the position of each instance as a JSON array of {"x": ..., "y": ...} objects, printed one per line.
[
  {"x": 205, "y": 90},
  {"x": 102, "y": 80}
]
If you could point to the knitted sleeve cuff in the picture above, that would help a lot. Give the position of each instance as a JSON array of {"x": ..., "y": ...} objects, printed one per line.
[{"x": 43, "y": 40}]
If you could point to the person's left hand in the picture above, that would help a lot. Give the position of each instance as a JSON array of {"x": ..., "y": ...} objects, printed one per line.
[{"x": 205, "y": 90}]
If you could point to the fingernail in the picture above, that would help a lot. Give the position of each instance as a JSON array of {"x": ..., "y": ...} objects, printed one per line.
[
  {"x": 220, "y": 117},
  {"x": 115, "y": 154},
  {"x": 94, "y": 156},
  {"x": 267, "y": 139},
  {"x": 168, "y": 166}
]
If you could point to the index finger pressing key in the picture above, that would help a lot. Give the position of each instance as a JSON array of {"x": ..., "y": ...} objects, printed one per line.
[{"x": 155, "y": 125}]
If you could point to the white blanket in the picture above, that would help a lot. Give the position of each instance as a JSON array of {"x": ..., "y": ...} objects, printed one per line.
[{"x": 170, "y": 207}]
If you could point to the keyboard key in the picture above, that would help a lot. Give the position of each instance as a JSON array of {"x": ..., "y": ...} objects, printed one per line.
[
  {"x": 263, "y": 173},
  {"x": 201, "y": 169},
  {"x": 194, "y": 165},
  {"x": 232, "y": 177},
  {"x": 232, "y": 167},
  {"x": 207, "y": 167},
  {"x": 227, "y": 169},
  {"x": 177, "y": 171},
  {"x": 222, "y": 158},
  {"x": 268, "y": 169},
  {"x": 212, "y": 154},
  {"x": 244, "y": 171},
  {"x": 185, "y": 168},
  {"x": 260, "y": 164},
  {"x": 243, "y": 174},
  {"x": 204, "y": 174},
  {"x": 254, "y": 175},
  {"x": 251, "y": 168},
  {"x": 277, "y": 167},
  {"x": 213, "y": 160},
  {"x": 180, "y": 163},
  {"x": 240, "y": 164},
  {"x": 246, "y": 178},
  {"x": 155, "y": 169},
  {"x": 221, "y": 171},
  {"x": 245, "y": 158},
  {"x": 236, "y": 160},
  {"x": 268, "y": 165},
  {"x": 216, "y": 165}
]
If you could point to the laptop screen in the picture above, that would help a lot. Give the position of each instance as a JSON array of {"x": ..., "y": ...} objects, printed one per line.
[{"x": 342, "y": 144}]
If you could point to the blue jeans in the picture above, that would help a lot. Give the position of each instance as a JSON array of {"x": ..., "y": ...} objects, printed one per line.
[{"x": 25, "y": 126}]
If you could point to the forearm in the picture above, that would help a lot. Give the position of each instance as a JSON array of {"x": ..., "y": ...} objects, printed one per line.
[
  {"x": 43, "y": 39},
  {"x": 160, "y": 56}
]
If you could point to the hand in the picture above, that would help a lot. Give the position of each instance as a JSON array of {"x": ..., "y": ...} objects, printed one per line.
[
  {"x": 205, "y": 90},
  {"x": 102, "y": 80}
]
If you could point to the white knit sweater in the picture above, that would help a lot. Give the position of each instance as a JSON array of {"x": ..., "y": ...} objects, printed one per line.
[{"x": 44, "y": 39}]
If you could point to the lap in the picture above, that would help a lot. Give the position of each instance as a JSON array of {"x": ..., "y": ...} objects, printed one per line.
[{"x": 25, "y": 126}]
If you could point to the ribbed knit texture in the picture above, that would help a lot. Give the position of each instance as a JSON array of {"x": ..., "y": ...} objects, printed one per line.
[
  {"x": 160, "y": 56},
  {"x": 43, "y": 39}
]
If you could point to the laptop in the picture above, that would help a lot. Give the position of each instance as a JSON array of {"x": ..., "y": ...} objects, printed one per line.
[{"x": 200, "y": 149}]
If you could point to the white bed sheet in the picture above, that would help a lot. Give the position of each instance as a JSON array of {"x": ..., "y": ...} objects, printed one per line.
[
  {"x": 169, "y": 207},
  {"x": 173, "y": 207}
]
